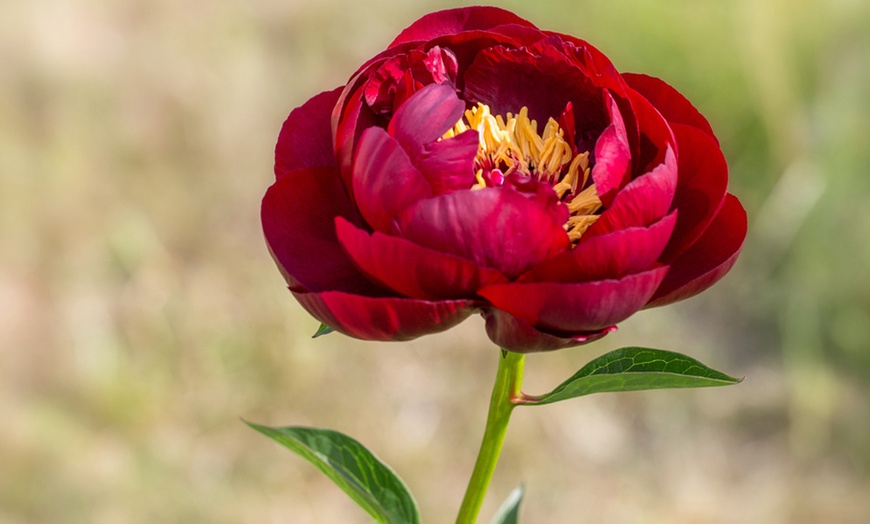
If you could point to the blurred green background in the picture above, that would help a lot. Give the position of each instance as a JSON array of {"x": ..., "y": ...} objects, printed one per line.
[{"x": 141, "y": 315}]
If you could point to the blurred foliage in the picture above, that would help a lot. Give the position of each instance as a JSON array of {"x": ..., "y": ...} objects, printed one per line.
[{"x": 141, "y": 316}]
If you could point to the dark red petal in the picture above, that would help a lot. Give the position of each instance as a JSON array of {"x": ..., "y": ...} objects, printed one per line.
[
  {"x": 538, "y": 77},
  {"x": 514, "y": 334},
  {"x": 574, "y": 308},
  {"x": 609, "y": 256},
  {"x": 709, "y": 259},
  {"x": 306, "y": 136},
  {"x": 413, "y": 270},
  {"x": 670, "y": 103},
  {"x": 466, "y": 45},
  {"x": 596, "y": 64},
  {"x": 426, "y": 116},
  {"x": 701, "y": 186},
  {"x": 643, "y": 201},
  {"x": 520, "y": 35},
  {"x": 494, "y": 227},
  {"x": 452, "y": 21},
  {"x": 388, "y": 318},
  {"x": 298, "y": 215},
  {"x": 655, "y": 134},
  {"x": 349, "y": 122},
  {"x": 612, "y": 156},
  {"x": 380, "y": 85},
  {"x": 448, "y": 165},
  {"x": 390, "y": 85},
  {"x": 384, "y": 180}
]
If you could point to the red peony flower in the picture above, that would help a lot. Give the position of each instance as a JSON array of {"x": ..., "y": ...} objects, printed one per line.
[{"x": 480, "y": 164}]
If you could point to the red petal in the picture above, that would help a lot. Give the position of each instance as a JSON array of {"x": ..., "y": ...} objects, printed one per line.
[
  {"x": 709, "y": 259},
  {"x": 426, "y": 116},
  {"x": 380, "y": 85},
  {"x": 384, "y": 180},
  {"x": 306, "y": 136},
  {"x": 466, "y": 45},
  {"x": 574, "y": 308},
  {"x": 441, "y": 63},
  {"x": 413, "y": 270},
  {"x": 298, "y": 215},
  {"x": 452, "y": 21},
  {"x": 349, "y": 122},
  {"x": 643, "y": 201},
  {"x": 612, "y": 156},
  {"x": 655, "y": 134},
  {"x": 701, "y": 185},
  {"x": 371, "y": 318},
  {"x": 609, "y": 256},
  {"x": 494, "y": 227},
  {"x": 670, "y": 103},
  {"x": 597, "y": 64},
  {"x": 448, "y": 165},
  {"x": 514, "y": 334},
  {"x": 541, "y": 78},
  {"x": 395, "y": 80}
]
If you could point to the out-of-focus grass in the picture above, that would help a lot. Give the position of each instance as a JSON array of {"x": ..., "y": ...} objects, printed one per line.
[{"x": 140, "y": 315}]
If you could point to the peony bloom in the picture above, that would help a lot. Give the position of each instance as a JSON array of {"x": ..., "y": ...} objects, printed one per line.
[{"x": 480, "y": 164}]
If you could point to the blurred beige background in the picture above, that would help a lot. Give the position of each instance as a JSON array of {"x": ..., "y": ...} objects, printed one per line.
[{"x": 141, "y": 316}]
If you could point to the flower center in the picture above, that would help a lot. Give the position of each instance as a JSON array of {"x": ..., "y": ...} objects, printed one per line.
[{"x": 512, "y": 145}]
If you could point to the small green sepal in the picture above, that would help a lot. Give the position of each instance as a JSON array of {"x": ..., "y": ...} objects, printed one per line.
[{"x": 322, "y": 330}]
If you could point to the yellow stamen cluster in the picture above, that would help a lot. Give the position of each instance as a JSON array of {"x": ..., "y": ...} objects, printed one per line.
[{"x": 513, "y": 145}]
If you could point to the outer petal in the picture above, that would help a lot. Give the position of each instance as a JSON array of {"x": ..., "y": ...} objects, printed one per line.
[
  {"x": 384, "y": 180},
  {"x": 609, "y": 256},
  {"x": 452, "y": 21},
  {"x": 701, "y": 187},
  {"x": 655, "y": 135},
  {"x": 385, "y": 318},
  {"x": 643, "y": 201},
  {"x": 298, "y": 214},
  {"x": 413, "y": 270},
  {"x": 576, "y": 308},
  {"x": 670, "y": 103},
  {"x": 709, "y": 259},
  {"x": 306, "y": 136},
  {"x": 351, "y": 117},
  {"x": 496, "y": 228},
  {"x": 514, "y": 334}
]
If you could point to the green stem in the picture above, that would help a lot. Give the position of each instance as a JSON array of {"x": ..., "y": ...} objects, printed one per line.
[{"x": 505, "y": 392}]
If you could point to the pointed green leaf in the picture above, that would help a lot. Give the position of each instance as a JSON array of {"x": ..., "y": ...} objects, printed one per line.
[
  {"x": 369, "y": 482},
  {"x": 322, "y": 330},
  {"x": 635, "y": 369},
  {"x": 509, "y": 512}
]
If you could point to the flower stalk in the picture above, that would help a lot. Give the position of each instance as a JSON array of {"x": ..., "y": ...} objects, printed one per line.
[{"x": 505, "y": 393}]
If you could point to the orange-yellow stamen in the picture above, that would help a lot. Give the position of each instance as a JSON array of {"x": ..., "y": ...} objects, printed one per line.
[{"x": 512, "y": 144}]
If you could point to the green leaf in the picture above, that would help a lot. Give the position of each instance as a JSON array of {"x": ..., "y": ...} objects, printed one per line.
[
  {"x": 369, "y": 482},
  {"x": 322, "y": 330},
  {"x": 509, "y": 511},
  {"x": 635, "y": 369}
]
